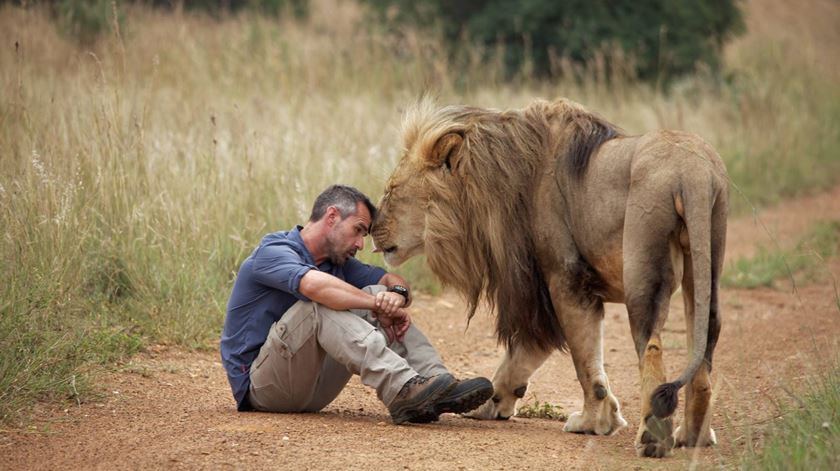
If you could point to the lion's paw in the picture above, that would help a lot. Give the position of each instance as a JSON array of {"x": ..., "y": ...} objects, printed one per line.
[
  {"x": 579, "y": 423},
  {"x": 655, "y": 438},
  {"x": 605, "y": 420},
  {"x": 576, "y": 423},
  {"x": 684, "y": 439},
  {"x": 491, "y": 410}
]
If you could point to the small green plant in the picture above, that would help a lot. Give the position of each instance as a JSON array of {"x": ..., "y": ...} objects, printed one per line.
[{"x": 542, "y": 410}]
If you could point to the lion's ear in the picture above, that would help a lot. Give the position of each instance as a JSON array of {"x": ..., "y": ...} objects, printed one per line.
[{"x": 447, "y": 150}]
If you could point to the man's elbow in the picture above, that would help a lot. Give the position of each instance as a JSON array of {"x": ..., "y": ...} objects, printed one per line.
[{"x": 310, "y": 283}]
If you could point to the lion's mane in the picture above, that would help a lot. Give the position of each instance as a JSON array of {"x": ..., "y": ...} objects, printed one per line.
[{"x": 479, "y": 233}]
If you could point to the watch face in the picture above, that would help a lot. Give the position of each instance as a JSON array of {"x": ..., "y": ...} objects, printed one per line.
[{"x": 399, "y": 289}]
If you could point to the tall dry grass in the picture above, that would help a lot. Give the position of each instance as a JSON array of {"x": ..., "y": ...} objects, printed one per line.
[{"x": 137, "y": 174}]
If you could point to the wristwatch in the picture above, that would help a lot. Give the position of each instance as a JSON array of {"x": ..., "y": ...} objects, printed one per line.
[{"x": 400, "y": 290}]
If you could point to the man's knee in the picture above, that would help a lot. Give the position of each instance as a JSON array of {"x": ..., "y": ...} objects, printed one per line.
[
  {"x": 300, "y": 314},
  {"x": 353, "y": 325}
]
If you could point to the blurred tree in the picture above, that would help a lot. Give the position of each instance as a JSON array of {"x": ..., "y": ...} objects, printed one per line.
[
  {"x": 86, "y": 20},
  {"x": 666, "y": 38},
  {"x": 298, "y": 8}
]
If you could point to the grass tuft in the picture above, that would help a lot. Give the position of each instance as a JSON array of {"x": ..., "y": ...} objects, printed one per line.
[
  {"x": 809, "y": 435},
  {"x": 542, "y": 410}
]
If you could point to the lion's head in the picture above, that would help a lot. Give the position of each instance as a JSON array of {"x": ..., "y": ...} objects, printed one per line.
[{"x": 422, "y": 177}]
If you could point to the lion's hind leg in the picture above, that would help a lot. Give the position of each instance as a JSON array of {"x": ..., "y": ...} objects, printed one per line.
[
  {"x": 651, "y": 256},
  {"x": 695, "y": 429},
  {"x": 510, "y": 382}
]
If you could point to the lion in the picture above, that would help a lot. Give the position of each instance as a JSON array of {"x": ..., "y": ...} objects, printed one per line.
[{"x": 547, "y": 213}]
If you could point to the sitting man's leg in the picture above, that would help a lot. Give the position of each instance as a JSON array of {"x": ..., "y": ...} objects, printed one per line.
[
  {"x": 287, "y": 374},
  {"x": 423, "y": 358},
  {"x": 334, "y": 376}
]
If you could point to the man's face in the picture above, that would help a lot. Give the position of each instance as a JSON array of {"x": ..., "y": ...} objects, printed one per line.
[{"x": 347, "y": 235}]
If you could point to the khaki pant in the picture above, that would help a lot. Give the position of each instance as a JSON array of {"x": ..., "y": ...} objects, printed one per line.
[{"x": 312, "y": 351}]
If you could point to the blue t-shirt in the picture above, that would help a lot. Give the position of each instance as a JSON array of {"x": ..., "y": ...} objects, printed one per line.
[{"x": 267, "y": 286}]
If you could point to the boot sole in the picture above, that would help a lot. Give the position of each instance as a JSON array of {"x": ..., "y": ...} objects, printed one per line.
[
  {"x": 422, "y": 408},
  {"x": 467, "y": 400}
]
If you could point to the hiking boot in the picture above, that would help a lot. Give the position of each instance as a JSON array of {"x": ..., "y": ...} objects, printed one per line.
[
  {"x": 463, "y": 397},
  {"x": 417, "y": 399}
]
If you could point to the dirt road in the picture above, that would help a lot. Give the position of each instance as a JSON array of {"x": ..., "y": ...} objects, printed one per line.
[{"x": 172, "y": 409}]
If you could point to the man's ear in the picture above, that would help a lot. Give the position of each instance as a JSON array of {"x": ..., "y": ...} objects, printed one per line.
[
  {"x": 333, "y": 215},
  {"x": 447, "y": 150}
]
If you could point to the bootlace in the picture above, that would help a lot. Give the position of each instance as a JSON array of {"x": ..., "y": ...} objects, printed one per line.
[{"x": 415, "y": 381}]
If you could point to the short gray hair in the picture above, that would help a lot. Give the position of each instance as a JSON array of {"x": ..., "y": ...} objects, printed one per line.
[{"x": 344, "y": 198}]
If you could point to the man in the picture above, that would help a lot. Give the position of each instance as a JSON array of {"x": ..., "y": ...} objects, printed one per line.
[{"x": 305, "y": 315}]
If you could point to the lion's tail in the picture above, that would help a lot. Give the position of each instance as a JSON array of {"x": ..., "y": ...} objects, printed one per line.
[{"x": 700, "y": 209}]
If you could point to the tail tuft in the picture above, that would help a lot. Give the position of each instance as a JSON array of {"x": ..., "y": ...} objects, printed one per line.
[{"x": 664, "y": 400}]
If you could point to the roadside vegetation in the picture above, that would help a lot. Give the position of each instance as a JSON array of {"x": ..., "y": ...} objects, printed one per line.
[
  {"x": 138, "y": 170},
  {"x": 801, "y": 263},
  {"x": 808, "y": 437}
]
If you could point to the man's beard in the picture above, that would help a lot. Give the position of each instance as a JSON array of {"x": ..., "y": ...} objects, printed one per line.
[{"x": 335, "y": 256}]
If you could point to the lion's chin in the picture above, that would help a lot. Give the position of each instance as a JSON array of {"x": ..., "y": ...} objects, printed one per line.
[
  {"x": 395, "y": 259},
  {"x": 400, "y": 256}
]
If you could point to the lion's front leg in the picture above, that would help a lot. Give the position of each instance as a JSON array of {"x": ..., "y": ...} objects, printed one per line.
[
  {"x": 510, "y": 382},
  {"x": 601, "y": 414}
]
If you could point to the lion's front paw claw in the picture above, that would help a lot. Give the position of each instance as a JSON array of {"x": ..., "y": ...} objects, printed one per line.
[{"x": 487, "y": 411}]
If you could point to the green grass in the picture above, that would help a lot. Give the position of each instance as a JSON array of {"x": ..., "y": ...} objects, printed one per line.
[
  {"x": 803, "y": 261},
  {"x": 808, "y": 437},
  {"x": 137, "y": 172},
  {"x": 542, "y": 410}
]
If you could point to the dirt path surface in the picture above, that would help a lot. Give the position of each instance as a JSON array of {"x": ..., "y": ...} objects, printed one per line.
[{"x": 168, "y": 408}]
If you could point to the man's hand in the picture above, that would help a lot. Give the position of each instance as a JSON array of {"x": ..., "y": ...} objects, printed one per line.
[
  {"x": 395, "y": 324},
  {"x": 387, "y": 302},
  {"x": 391, "y": 279}
]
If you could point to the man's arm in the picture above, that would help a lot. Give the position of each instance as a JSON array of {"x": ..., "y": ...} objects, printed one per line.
[
  {"x": 334, "y": 293},
  {"x": 338, "y": 295}
]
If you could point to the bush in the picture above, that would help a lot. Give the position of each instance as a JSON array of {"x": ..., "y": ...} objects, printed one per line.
[
  {"x": 85, "y": 19},
  {"x": 665, "y": 39},
  {"x": 298, "y": 8}
]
